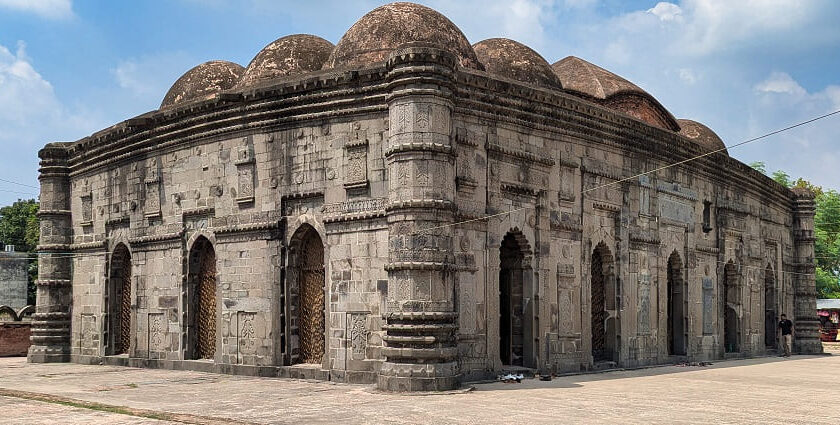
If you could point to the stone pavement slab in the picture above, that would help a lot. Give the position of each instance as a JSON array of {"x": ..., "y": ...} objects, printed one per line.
[{"x": 767, "y": 390}]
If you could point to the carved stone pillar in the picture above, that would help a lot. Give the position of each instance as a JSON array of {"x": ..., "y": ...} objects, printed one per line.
[
  {"x": 51, "y": 321},
  {"x": 806, "y": 325},
  {"x": 420, "y": 318}
]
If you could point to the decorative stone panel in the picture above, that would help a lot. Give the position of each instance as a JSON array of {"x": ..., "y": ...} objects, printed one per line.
[{"x": 245, "y": 172}]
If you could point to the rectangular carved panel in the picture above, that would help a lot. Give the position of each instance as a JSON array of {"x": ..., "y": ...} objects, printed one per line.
[{"x": 708, "y": 306}]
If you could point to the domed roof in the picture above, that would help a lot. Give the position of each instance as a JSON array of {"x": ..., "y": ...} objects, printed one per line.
[
  {"x": 289, "y": 55},
  {"x": 593, "y": 82},
  {"x": 203, "y": 81},
  {"x": 516, "y": 61},
  {"x": 580, "y": 76},
  {"x": 387, "y": 27},
  {"x": 702, "y": 135}
]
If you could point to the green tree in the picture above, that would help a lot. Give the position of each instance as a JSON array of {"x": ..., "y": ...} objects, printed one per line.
[
  {"x": 759, "y": 166},
  {"x": 827, "y": 244},
  {"x": 782, "y": 178},
  {"x": 19, "y": 226}
]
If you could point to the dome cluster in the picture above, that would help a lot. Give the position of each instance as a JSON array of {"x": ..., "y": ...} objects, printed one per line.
[{"x": 373, "y": 37}]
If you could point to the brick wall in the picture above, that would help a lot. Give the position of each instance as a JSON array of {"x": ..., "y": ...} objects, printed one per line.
[{"x": 14, "y": 338}]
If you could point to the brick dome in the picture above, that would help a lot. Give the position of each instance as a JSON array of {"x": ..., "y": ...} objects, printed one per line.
[
  {"x": 592, "y": 82},
  {"x": 289, "y": 55},
  {"x": 511, "y": 59},
  {"x": 387, "y": 27},
  {"x": 203, "y": 81},
  {"x": 702, "y": 135}
]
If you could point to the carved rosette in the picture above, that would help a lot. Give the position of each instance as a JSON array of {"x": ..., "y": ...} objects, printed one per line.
[
  {"x": 420, "y": 318},
  {"x": 51, "y": 321}
]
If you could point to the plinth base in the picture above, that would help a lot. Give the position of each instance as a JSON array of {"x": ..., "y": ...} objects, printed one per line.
[{"x": 413, "y": 377}]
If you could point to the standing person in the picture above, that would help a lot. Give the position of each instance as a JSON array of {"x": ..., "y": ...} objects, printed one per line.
[{"x": 786, "y": 326}]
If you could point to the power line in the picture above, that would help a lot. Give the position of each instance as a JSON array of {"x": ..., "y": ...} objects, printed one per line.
[
  {"x": 19, "y": 184},
  {"x": 19, "y": 193},
  {"x": 754, "y": 139}
]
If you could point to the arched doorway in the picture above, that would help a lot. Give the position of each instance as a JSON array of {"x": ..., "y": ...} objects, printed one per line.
[
  {"x": 730, "y": 304},
  {"x": 515, "y": 329},
  {"x": 602, "y": 298},
  {"x": 676, "y": 307},
  {"x": 769, "y": 308},
  {"x": 202, "y": 294},
  {"x": 119, "y": 301},
  {"x": 307, "y": 292}
]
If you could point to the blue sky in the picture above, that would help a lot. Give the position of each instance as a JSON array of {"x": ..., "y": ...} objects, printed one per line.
[{"x": 744, "y": 68}]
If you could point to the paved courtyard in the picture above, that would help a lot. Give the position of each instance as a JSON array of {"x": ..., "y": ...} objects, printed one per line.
[{"x": 767, "y": 390}]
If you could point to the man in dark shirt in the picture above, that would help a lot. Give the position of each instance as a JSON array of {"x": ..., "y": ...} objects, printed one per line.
[{"x": 786, "y": 326}]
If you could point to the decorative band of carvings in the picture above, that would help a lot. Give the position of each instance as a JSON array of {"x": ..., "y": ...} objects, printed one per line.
[
  {"x": 520, "y": 189},
  {"x": 354, "y": 216},
  {"x": 676, "y": 190},
  {"x": 708, "y": 249},
  {"x": 462, "y": 136},
  {"x": 303, "y": 195},
  {"x": 375, "y": 205},
  {"x": 418, "y": 146},
  {"x": 571, "y": 163},
  {"x": 166, "y": 237},
  {"x": 246, "y": 228},
  {"x": 117, "y": 221},
  {"x": 567, "y": 226},
  {"x": 528, "y": 156},
  {"x": 418, "y": 265},
  {"x": 45, "y": 213},
  {"x": 356, "y": 143},
  {"x": 421, "y": 315},
  {"x": 53, "y": 247},
  {"x": 606, "y": 206},
  {"x": 87, "y": 246},
  {"x": 732, "y": 233},
  {"x": 729, "y": 205},
  {"x": 466, "y": 182},
  {"x": 644, "y": 239},
  {"x": 600, "y": 172},
  {"x": 439, "y": 204},
  {"x": 53, "y": 283},
  {"x": 198, "y": 211}
]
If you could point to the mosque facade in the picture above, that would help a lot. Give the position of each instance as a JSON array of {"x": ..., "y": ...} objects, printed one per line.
[{"x": 408, "y": 209}]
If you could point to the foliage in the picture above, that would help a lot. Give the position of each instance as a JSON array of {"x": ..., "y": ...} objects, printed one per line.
[
  {"x": 826, "y": 231},
  {"x": 19, "y": 226}
]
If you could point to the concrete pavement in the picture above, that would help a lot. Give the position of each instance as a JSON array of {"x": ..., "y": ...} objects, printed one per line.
[{"x": 767, "y": 390}]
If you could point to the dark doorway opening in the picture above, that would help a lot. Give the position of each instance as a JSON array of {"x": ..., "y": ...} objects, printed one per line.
[
  {"x": 511, "y": 303},
  {"x": 676, "y": 307},
  {"x": 603, "y": 298},
  {"x": 202, "y": 291},
  {"x": 308, "y": 253},
  {"x": 769, "y": 308},
  {"x": 119, "y": 305},
  {"x": 730, "y": 315}
]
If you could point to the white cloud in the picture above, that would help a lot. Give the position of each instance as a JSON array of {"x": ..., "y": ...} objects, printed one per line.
[
  {"x": 30, "y": 116},
  {"x": 50, "y": 9},
  {"x": 666, "y": 11},
  {"x": 146, "y": 79},
  {"x": 780, "y": 82},
  {"x": 687, "y": 75}
]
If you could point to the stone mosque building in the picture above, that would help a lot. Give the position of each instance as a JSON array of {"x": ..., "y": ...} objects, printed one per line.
[{"x": 409, "y": 209}]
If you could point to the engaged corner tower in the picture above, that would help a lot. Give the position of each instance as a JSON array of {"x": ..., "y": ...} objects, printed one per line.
[{"x": 420, "y": 318}]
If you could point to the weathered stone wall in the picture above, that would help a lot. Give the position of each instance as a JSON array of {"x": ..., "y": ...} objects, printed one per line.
[
  {"x": 13, "y": 279},
  {"x": 394, "y": 171}
]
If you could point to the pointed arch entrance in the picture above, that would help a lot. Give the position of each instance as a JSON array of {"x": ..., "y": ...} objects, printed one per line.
[
  {"x": 676, "y": 306},
  {"x": 769, "y": 308},
  {"x": 307, "y": 295},
  {"x": 202, "y": 295},
  {"x": 604, "y": 327},
  {"x": 515, "y": 327},
  {"x": 731, "y": 329},
  {"x": 119, "y": 301}
]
